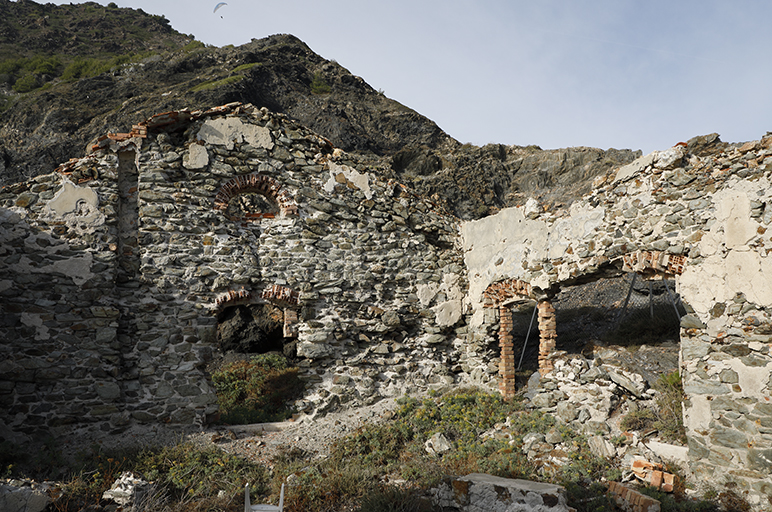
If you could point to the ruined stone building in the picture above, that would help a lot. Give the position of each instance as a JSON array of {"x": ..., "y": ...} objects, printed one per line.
[{"x": 117, "y": 270}]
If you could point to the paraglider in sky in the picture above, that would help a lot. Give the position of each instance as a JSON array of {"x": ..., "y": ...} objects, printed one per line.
[{"x": 220, "y": 4}]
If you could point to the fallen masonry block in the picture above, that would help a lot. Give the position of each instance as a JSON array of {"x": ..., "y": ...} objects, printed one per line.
[
  {"x": 478, "y": 492},
  {"x": 630, "y": 500}
]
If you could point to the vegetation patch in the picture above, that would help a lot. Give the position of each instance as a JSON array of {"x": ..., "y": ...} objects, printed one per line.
[
  {"x": 214, "y": 84},
  {"x": 319, "y": 86},
  {"x": 257, "y": 390},
  {"x": 246, "y": 67}
]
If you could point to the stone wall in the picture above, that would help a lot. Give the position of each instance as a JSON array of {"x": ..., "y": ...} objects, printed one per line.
[
  {"x": 702, "y": 219},
  {"x": 116, "y": 269},
  {"x": 116, "y": 266}
]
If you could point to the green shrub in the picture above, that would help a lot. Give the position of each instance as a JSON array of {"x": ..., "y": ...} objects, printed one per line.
[
  {"x": 193, "y": 45},
  {"x": 245, "y": 67},
  {"x": 191, "y": 471},
  {"x": 26, "y": 83},
  {"x": 257, "y": 390},
  {"x": 213, "y": 84},
  {"x": 388, "y": 498},
  {"x": 319, "y": 86}
]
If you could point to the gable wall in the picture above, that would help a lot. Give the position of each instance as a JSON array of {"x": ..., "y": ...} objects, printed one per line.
[{"x": 369, "y": 277}]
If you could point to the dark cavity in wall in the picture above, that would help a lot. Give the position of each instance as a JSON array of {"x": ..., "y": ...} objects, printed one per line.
[
  {"x": 525, "y": 337},
  {"x": 594, "y": 313},
  {"x": 128, "y": 220},
  {"x": 251, "y": 329},
  {"x": 251, "y": 204}
]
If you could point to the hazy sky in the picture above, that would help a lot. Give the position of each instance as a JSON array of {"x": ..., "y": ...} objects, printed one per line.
[{"x": 604, "y": 73}]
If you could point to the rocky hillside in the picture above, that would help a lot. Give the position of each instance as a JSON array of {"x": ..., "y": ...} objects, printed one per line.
[{"x": 71, "y": 73}]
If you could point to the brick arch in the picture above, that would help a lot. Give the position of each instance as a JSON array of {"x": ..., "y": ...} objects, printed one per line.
[
  {"x": 259, "y": 184},
  {"x": 501, "y": 295}
]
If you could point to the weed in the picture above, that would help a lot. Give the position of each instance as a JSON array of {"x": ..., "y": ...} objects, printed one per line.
[
  {"x": 193, "y": 45},
  {"x": 214, "y": 84},
  {"x": 670, "y": 422},
  {"x": 389, "y": 498},
  {"x": 245, "y": 67},
  {"x": 641, "y": 419},
  {"x": 678, "y": 502}
]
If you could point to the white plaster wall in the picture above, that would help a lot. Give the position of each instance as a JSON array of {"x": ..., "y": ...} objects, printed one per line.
[
  {"x": 502, "y": 245},
  {"x": 731, "y": 264}
]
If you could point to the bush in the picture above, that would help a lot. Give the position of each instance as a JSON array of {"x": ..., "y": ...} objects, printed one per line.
[
  {"x": 257, "y": 390},
  {"x": 186, "y": 477},
  {"x": 26, "y": 83},
  {"x": 388, "y": 498},
  {"x": 319, "y": 86}
]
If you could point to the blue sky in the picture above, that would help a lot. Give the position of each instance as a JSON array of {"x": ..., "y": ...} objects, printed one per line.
[{"x": 555, "y": 73}]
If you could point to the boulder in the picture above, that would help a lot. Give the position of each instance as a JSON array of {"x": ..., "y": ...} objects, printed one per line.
[{"x": 23, "y": 498}]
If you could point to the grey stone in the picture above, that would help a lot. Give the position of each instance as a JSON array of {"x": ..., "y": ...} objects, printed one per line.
[
  {"x": 691, "y": 322},
  {"x": 108, "y": 390},
  {"x": 313, "y": 350},
  {"x": 22, "y": 499},
  {"x": 438, "y": 444},
  {"x": 728, "y": 438},
  {"x": 566, "y": 411},
  {"x": 600, "y": 447}
]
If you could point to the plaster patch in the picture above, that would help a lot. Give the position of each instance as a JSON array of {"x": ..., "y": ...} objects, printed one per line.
[
  {"x": 228, "y": 131},
  {"x": 78, "y": 268},
  {"x": 77, "y": 206},
  {"x": 447, "y": 313},
  {"x": 718, "y": 279},
  {"x": 197, "y": 157},
  {"x": 697, "y": 417},
  {"x": 426, "y": 293},
  {"x": 451, "y": 288},
  {"x": 751, "y": 378},
  {"x": 344, "y": 174},
  {"x": 733, "y": 211},
  {"x": 32, "y": 320}
]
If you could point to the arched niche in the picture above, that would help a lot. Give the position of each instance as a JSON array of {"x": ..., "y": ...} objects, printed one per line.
[{"x": 253, "y": 197}]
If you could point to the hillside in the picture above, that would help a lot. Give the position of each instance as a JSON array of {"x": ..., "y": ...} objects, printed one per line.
[{"x": 71, "y": 73}]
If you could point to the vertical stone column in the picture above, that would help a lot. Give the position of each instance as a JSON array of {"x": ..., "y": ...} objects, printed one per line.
[
  {"x": 507, "y": 361},
  {"x": 547, "y": 335}
]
